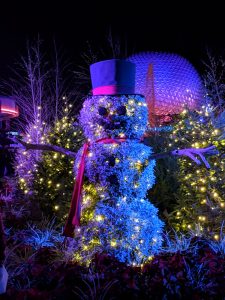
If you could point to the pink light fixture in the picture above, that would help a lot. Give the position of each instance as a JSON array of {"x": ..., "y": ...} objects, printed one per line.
[{"x": 8, "y": 108}]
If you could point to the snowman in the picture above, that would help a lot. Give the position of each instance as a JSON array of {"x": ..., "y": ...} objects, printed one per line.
[{"x": 114, "y": 170}]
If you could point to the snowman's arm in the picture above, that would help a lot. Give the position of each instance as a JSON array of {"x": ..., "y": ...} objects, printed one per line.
[
  {"x": 189, "y": 152},
  {"x": 45, "y": 147}
]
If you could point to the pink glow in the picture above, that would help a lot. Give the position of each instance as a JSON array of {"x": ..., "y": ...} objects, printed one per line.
[
  {"x": 8, "y": 110},
  {"x": 112, "y": 90}
]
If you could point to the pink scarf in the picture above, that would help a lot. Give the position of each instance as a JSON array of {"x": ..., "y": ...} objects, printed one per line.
[{"x": 75, "y": 208}]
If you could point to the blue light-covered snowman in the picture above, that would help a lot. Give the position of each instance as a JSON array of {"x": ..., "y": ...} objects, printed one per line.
[{"x": 113, "y": 120}]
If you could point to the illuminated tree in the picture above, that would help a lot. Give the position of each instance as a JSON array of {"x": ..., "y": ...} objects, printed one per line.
[
  {"x": 54, "y": 179},
  {"x": 214, "y": 81},
  {"x": 40, "y": 87},
  {"x": 201, "y": 196}
]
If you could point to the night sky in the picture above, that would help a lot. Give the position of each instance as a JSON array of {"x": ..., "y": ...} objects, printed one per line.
[{"x": 183, "y": 29}]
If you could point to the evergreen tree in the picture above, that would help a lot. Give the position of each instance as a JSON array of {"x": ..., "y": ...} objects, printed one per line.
[
  {"x": 201, "y": 195},
  {"x": 54, "y": 179},
  {"x": 162, "y": 194}
]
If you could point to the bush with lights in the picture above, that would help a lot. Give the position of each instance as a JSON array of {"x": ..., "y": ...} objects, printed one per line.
[
  {"x": 53, "y": 180},
  {"x": 200, "y": 205}
]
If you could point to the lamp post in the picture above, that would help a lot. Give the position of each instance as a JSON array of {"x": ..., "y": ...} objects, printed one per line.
[{"x": 8, "y": 110}]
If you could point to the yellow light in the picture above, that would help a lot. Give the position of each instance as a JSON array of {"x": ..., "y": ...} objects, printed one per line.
[
  {"x": 189, "y": 226},
  {"x": 122, "y": 135},
  {"x": 99, "y": 218},
  {"x": 131, "y": 102},
  {"x": 58, "y": 185},
  {"x": 222, "y": 204},
  {"x": 215, "y": 194},
  {"x": 197, "y": 145},
  {"x": 216, "y": 237},
  {"x": 202, "y": 189},
  {"x": 56, "y": 207},
  {"x": 113, "y": 243},
  {"x": 90, "y": 154},
  {"x": 117, "y": 160}
]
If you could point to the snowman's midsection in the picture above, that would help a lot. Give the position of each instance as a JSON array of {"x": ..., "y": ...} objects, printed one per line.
[{"x": 120, "y": 169}]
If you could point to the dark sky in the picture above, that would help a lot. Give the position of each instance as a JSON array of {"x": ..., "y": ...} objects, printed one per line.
[{"x": 182, "y": 29}]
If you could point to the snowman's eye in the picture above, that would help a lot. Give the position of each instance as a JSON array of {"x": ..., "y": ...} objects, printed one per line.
[
  {"x": 121, "y": 110},
  {"x": 102, "y": 111}
]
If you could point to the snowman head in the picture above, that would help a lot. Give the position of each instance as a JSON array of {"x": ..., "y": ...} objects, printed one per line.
[{"x": 113, "y": 110}]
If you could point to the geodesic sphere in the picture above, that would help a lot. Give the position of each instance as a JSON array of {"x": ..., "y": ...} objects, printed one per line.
[{"x": 168, "y": 81}]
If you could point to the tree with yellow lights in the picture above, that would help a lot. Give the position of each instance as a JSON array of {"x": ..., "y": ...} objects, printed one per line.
[
  {"x": 201, "y": 196},
  {"x": 54, "y": 179}
]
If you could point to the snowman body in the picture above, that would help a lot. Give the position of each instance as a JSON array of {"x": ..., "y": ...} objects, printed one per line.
[{"x": 116, "y": 217}]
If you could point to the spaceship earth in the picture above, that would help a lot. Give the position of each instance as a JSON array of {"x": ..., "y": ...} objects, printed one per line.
[{"x": 168, "y": 81}]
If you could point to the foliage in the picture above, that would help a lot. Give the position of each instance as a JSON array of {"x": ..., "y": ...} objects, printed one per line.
[
  {"x": 163, "y": 193},
  {"x": 37, "y": 237},
  {"x": 199, "y": 274},
  {"x": 40, "y": 85},
  {"x": 200, "y": 198},
  {"x": 54, "y": 179},
  {"x": 214, "y": 77}
]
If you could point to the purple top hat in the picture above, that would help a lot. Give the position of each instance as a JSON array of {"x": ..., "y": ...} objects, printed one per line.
[{"x": 113, "y": 77}]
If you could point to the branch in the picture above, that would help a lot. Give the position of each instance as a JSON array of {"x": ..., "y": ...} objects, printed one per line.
[
  {"x": 189, "y": 152},
  {"x": 45, "y": 147}
]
